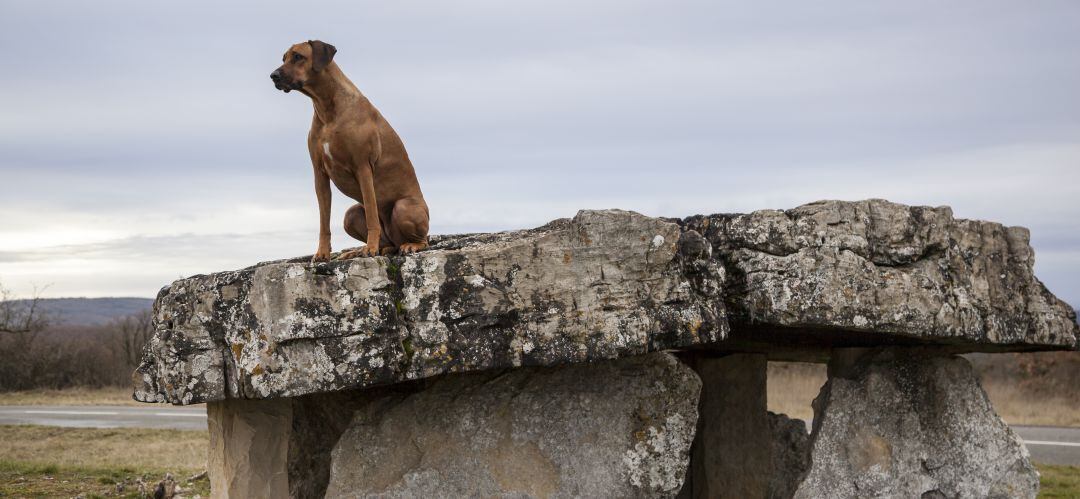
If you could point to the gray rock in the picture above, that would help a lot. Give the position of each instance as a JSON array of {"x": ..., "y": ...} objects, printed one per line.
[
  {"x": 603, "y": 285},
  {"x": 608, "y": 429},
  {"x": 790, "y": 455},
  {"x": 904, "y": 423},
  {"x": 887, "y": 269}
]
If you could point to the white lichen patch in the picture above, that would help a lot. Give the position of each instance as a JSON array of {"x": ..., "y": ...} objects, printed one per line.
[
  {"x": 476, "y": 280},
  {"x": 294, "y": 271},
  {"x": 658, "y": 462},
  {"x": 421, "y": 278}
]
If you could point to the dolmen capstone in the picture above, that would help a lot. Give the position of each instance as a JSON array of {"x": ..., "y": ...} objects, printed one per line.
[{"x": 617, "y": 355}]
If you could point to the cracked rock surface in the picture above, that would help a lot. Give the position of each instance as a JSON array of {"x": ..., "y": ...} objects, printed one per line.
[
  {"x": 603, "y": 285},
  {"x": 619, "y": 428},
  {"x": 905, "y": 423},
  {"x": 887, "y": 269}
]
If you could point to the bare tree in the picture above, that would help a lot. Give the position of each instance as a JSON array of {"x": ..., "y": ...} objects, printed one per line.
[
  {"x": 24, "y": 317},
  {"x": 21, "y": 321},
  {"x": 131, "y": 334}
]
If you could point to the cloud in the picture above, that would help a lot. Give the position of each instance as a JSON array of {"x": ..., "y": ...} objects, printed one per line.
[{"x": 144, "y": 141}]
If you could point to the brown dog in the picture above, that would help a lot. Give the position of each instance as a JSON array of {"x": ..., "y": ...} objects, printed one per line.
[{"x": 353, "y": 145}]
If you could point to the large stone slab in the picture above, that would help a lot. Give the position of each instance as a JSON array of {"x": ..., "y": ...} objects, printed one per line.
[
  {"x": 906, "y": 423},
  {"x": 602, "y": 285},
  {"x": 618, "y": 428},
  {"x": 888, "y": 270}
]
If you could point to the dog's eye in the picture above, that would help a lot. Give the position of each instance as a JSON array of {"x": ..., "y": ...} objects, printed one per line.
[{"x": 297, "y": 57}]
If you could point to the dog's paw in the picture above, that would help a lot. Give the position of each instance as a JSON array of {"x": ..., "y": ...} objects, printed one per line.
[
  {"x": 320, "y": 256},
  {"x": 410, "y": 248},
  {"x": 361, "y": 252},
  {"x": 369, "y": 250}
]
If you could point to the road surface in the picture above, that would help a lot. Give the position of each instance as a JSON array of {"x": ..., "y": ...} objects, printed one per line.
[
  {"x": 107, "y": 416},
  {"x": 1050, "y": 445}
]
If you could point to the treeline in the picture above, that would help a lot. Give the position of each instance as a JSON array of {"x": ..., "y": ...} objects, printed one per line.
[{"x": 38, "y": 353}]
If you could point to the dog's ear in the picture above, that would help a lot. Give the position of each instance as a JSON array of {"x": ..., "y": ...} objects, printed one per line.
[{"x": 321, "y": 54}]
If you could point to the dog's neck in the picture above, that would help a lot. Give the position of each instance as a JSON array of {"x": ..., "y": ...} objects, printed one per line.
[{"x": 331, "y": 93}]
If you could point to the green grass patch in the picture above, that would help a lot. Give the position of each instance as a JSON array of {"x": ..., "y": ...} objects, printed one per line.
[
  {"x": 1059, "y": 481},
  {"x": 29, "y": 479}
]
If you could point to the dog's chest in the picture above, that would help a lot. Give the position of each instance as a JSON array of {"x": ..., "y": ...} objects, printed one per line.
[
  {"x": 339, "y": 170},
  {"x": 326, "y": 147},
  {"x": 333, "y": 160}
]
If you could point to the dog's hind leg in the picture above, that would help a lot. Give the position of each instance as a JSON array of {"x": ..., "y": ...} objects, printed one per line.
[
  {"x": 409, "y": 224},
  {"x": 356, "y": 227},
  {"x": 355, "y": 224}
]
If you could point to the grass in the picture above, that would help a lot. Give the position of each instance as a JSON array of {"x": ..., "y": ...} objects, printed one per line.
[
  {"x": 792, "y": 386},
  {"x": 115, "y": 395},
  {"x": 1020, "y": 407},
  {"x": 1059, "y": 481},
  {"x": 18, "y": 479},
  {"x": 46, "y": 461},
  {"x": 134, "y": 448}
]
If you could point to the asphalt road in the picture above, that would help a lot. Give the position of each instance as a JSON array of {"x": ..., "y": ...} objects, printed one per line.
[
  {"x": 1051, "y": 445},
  {"x": 106, "y": 416},
  {"x": 1047, "y": 444}
]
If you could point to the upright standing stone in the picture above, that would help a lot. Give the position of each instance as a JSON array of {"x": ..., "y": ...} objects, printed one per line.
[
  {"x": 732, "y": 449},
  {"x": 905, "y": 423},
  {"x": 609, "y": 429},
  {"x": 249, "y": 444}
]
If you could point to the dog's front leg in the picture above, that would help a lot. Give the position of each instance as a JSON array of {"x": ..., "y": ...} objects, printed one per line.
[
  {"x": 366, "y": 176},
  {"x": 322, "y": 192}
]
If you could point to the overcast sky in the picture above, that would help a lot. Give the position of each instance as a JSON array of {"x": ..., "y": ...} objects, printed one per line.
[{"x": 143, "y": 141}]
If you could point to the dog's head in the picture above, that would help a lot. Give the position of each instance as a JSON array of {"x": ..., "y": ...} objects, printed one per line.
[{"x": 302, "y": 63}]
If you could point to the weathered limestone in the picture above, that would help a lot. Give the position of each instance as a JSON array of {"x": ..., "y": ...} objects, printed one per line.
[
  {"x": 888, "y": 270},
  {"x": 610, "y": 429},
  {"x": 536, "y": 362},
  {"x": 603, "y": 285},
  {"x": 906, "y": 423},
  {"x": 248, "y": 448},
  {"x": 732, "y": 449}
]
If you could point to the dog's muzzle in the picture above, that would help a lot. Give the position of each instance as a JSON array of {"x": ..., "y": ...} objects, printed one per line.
[{"x": 280, "y": 83}]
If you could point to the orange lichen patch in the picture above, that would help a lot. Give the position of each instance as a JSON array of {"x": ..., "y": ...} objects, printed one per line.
[
  {"x": 258, "y": 370},
  {"x": 567, "y": 258},
  {"x": 236, "y": 349}
]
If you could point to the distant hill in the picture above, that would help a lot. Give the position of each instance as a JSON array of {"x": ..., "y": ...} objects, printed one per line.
[{"x": 93, "y": 311}]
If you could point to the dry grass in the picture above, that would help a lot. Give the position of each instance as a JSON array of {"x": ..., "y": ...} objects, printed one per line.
[
  {"x": 46, "y": 461},
  {"x": 1020, "y": 407},
  {"x": 793, "y": 386},
  {"x": 114, "y": 395},
  {"x": 19, "y": 479},
  {"x": 134, "y": 448}
]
